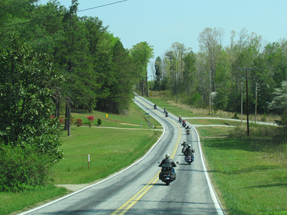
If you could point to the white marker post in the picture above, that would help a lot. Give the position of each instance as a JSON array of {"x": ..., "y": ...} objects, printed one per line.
[{"x": 88, "y": 161}]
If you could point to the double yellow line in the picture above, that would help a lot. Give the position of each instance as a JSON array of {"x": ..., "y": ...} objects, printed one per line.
[{"x": 132, "y": 201}]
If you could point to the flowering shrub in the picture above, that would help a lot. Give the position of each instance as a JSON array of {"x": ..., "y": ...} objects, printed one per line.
[
  {"x": 61, "y": 120},
  {"x": 79, "y": 122},
  {"x": 91, "y": 118},
  {"x": 52, "y": 117}
]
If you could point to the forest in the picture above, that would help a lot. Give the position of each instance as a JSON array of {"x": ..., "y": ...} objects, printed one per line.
[{"x": 219, "y": 77}]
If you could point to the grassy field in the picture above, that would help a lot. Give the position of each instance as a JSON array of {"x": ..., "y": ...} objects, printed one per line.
[
  {"x": 249, "y": 173},
  {"x": 111, "y": 149},
  {"x": 132, "y": 119},
  {"x": 250, "y": 176}
]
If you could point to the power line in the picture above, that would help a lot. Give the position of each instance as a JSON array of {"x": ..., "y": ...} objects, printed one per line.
[
  {"x": 63, "y": 14},
  {"x": 102, "y": 6}
]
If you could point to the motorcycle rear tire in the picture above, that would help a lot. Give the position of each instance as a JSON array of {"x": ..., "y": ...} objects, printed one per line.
[{"x": 167, "y": 183}]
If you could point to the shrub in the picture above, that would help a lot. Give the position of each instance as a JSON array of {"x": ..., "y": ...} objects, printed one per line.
[
  {"x": 79, "y": 122},
  {"x": 99, "y": 121},
  {"x": 90, "y": 118},
  {"x": 235, "y": 116},
  {"x": 23, "y": 167}
]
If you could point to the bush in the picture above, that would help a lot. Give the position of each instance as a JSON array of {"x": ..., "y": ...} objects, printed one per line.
[
  {"x": 79, "y": 122},
  {"x": 235, "y": 116},
  {"x": 99, "y": 121},
  {"x": 22, "y": 168}
]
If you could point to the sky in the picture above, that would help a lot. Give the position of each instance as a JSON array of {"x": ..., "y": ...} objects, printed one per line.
[{"x": 162, "y": 22}]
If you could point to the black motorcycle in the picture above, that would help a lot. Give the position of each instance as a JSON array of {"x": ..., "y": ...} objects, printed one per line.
[
  {"x": 189, "y": 159},
  {"x": 167, "y": 174},
  {"x": 154, "y": 106}
]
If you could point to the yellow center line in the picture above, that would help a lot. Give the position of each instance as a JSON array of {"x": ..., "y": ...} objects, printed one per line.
[{"x": 132, "y": 201}]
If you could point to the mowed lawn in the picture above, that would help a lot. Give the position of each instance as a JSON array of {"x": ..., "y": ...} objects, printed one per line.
[
  {"x": 249, "y": 177},
  {"x": 110, "y": 150}
]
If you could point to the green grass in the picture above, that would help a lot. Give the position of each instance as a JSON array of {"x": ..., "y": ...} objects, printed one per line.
[
  {"x": 132, "y": 119},
  {"x": 11, "y": 202},
  {"x": 250, "y": 179},
  {"x": 110, "y": 150},
  {"x": 213, "y": 122}
]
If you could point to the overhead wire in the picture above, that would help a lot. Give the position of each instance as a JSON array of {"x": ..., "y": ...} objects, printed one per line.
[{"x": 39, "y": 18}]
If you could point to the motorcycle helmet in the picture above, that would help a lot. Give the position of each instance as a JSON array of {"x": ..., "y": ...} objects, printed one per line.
[
  {"x": 184, "y": 141},
  {"x": 167, "y": 156},
  {"x": 189, "y": 145}
]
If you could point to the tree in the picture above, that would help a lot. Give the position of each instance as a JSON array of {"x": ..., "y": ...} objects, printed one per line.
[
  {"x": 142, "y": 53},
  {"x": 279, "y": 102},
  {"x": 26, "y": 128},
  {"x": 211, "y": 40},
  {"x": 158, "y": 72}
]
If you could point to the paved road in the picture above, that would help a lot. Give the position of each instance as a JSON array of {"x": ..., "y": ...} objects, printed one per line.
[{"x": 137, "y": 190}]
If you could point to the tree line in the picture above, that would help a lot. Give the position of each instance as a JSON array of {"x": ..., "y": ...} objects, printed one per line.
[
  {"x": 216, "y": 75},
  {"x": 49, "y": 58}
]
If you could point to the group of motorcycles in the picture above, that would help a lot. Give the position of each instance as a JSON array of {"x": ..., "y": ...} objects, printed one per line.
[
  {"x": 164, "y": 110},
  {"x": 184, "y": 125},
  {"x": 168, "y": 174}
]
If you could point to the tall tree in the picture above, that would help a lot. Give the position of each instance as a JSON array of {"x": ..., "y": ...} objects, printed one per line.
[{"x": 142, "y": 53}]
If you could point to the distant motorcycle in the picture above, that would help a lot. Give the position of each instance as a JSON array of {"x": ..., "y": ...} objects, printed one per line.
[
  {"x": 183, "y": 123},
  {"x": 166, "y": 114},
  {"x": 187, "y": 130},
  {"x": 179, "y": 119},
  {"x": 164, "y": 110},
  {"x": 167, "y": 174},
  {"x": 154, "y": 107}
]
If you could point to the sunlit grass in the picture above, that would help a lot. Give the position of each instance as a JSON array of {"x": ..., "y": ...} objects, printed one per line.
[{"x": 109, "y": 149}]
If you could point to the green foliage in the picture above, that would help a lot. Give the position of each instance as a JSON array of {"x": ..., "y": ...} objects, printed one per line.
[
  {"x": 26, "y": 87},
  {"x": 235, "y": 116},
  {"x": 23, "y": 169},
  {"x": 27, "y": 82},
  {"x": 99, "y": 121}
]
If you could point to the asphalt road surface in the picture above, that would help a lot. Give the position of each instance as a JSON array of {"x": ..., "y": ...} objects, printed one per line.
[{"x": 137, "y": 190}]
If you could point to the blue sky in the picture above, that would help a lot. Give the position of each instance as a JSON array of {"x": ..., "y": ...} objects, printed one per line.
[{"x": 163, "y": 22}]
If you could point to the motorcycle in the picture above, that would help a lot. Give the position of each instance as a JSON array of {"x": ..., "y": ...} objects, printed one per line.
[
  {"x": 187, "y": 130},
  {"x": 179, "y": 119},
  {"x": 166, "y": 114},
  {"x": 154, "y": 106},
  {"x": 183, "y": 123},
  {"x": 167, "y": 174},
  {"x": 164, "y": 110},
  {"x": 189, "y": 159}
]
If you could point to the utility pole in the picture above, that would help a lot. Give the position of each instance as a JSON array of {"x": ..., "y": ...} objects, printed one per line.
[
  {"x": 210, "y": 91},
  {"x": 247, "y": 111},
  {"x": 241, "y": 100},
  {"x": 255, "y": 102}
]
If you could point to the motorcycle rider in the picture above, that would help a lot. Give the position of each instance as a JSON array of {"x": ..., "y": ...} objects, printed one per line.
[
  {"x": 179, "y": 118},
  {"x": 168, "y": 160},
  {"x": 154, "y": 106},
  {"x": 188, "y": 151},
  {"x": 184, "y": 144}
]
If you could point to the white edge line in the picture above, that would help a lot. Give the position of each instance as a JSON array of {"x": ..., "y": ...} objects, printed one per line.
[
  {"x": 71, "y": 194},
  {"x": 211, "y": 189}
]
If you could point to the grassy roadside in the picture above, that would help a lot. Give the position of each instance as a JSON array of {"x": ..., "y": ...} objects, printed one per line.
[
  {"x": 110, "y": 150},
  {"x": 250, "y": 174}
]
